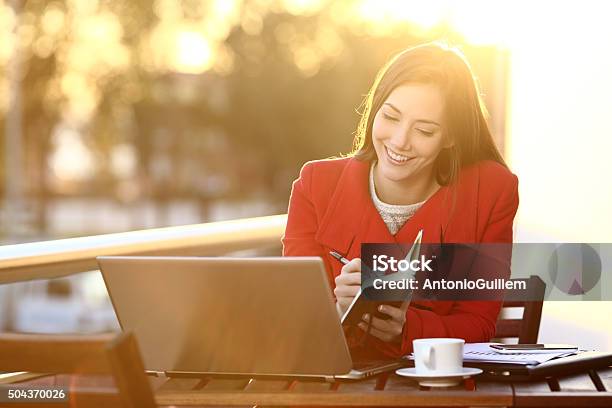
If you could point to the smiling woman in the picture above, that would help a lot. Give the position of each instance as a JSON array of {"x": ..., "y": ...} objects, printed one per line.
[
  {"x": 407, "y": 136},
  {"x": 425, "y": 84},
  {"x": 424, "y": 159}
]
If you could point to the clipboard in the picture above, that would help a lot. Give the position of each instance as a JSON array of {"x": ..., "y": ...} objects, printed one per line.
[{"x": 580, "y": 362}]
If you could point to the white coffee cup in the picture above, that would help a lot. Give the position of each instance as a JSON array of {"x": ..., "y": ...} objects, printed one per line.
[{"x": 438, "y": 356}]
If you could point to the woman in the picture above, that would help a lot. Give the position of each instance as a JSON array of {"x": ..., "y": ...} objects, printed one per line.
[{"x": 424, "y": 158}]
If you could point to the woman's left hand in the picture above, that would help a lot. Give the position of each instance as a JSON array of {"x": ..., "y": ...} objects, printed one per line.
[{"x": 387, "y": 330}]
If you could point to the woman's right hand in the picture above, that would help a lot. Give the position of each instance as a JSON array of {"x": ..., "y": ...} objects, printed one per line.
[{"x": 348, "y": 284}]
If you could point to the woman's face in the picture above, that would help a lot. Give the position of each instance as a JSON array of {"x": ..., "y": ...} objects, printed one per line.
[{"x": 407, "y": 132}]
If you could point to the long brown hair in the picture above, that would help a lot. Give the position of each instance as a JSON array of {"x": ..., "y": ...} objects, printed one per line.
[{"x": 465, "y": 123}]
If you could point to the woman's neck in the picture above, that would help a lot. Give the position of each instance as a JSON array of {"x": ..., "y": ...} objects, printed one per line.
[{"x": 410, "y": 191}]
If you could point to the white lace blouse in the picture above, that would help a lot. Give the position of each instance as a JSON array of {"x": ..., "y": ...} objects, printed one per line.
[{"x": 394, "y": 216}]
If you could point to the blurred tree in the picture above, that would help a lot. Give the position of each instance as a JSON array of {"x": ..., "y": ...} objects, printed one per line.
[{"x": 210, "y": 99}]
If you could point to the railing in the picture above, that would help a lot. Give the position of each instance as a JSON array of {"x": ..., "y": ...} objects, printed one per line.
[{"x": 50, "y": 259}]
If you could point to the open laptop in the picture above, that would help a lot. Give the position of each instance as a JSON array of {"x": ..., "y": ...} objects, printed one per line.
[{"x": 233, "y": 316}]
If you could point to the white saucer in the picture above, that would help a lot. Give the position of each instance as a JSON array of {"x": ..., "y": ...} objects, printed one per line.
[{"x": 439, "y": 380}]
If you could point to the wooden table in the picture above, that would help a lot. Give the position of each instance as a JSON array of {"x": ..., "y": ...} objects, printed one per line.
[{"x": 585, "y": 390}]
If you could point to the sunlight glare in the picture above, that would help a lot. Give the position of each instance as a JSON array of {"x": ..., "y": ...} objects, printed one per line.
[
  {"x": 53, "y": 20},
  {"x": 225, "y": 8},
  {"x": 71, "y": 159},
  {"x": 303, "y": 7},
  {"x": 483, "y": 22},
  {"x": 7, "y": 24},
  {"x": 425, "y": 14},
  {"x": 480, "y": 22},
  {"x": 193, "y": 53},
  {"x": 386, "y": 13}
]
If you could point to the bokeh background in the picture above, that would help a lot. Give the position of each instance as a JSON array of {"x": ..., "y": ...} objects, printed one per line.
[{"x": 118, "y": 116}]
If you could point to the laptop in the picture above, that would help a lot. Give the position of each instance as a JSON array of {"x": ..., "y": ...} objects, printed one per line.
[{"x": 255, "y": 317}]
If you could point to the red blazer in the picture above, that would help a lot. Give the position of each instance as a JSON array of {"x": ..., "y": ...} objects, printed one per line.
[{"x": 331, "y": 209}]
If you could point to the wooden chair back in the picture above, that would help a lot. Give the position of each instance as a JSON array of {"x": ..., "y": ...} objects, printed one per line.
[
  {"x": 526, "y": 328},
  {"x": 117, "y": 355}
]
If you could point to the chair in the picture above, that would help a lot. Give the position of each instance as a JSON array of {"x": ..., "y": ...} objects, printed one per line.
[
  {"x": 77, "y": 354},
  {"x": 525, "y": 329}
]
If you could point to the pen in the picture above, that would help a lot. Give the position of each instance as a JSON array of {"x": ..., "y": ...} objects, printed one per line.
[
  {"x": 339, "y": 257},
  {"x": 344, "y": 261}
]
